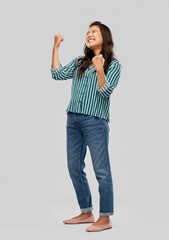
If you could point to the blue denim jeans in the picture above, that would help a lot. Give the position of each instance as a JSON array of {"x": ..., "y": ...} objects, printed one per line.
[{"x": 85, "y": 130}]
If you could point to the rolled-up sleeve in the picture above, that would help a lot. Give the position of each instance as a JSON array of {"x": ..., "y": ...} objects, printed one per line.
[
  {"x": 112, "y": 77},
  {"x": 64, "y": 72}
]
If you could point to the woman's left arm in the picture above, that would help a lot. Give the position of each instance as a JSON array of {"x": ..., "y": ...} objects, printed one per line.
[{"x": 107, "y": 83}]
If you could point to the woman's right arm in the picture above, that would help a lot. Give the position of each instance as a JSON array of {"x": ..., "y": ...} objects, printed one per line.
[
  {"x": 59, "y": 72},
  {"x": 55, "y": 57}
]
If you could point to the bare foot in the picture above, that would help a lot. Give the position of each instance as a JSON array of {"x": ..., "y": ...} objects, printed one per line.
[
  {"x": 83, "y": 215},
  {"x": 102, "y": 220}
]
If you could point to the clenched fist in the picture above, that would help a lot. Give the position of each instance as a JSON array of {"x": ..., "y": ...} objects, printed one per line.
[
  {"x": 98, "y": 61},
  {"x": 57, "y": 40}
]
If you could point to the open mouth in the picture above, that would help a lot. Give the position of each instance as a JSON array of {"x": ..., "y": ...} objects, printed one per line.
[{"x": 91, "y": 40}]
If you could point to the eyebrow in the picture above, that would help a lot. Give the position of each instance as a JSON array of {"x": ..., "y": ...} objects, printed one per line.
[{"x": 92, "y": 30}]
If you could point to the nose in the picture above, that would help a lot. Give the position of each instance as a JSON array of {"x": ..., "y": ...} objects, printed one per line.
[{"x": 90, "y": 36}]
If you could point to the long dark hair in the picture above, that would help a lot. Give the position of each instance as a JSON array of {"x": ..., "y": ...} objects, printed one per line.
[{"x": 107, "y": 51}]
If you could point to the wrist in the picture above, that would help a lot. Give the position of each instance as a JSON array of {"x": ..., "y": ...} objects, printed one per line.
[
  {"x": 55, "y": 48},
  {"x": 100, "y": 70}
]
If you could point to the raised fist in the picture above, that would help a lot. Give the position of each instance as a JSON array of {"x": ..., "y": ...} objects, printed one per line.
[{"x": 57, "y": 40}]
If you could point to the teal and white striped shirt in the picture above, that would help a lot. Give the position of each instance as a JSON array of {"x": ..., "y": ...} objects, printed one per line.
[{"x": 86, "y": 97}]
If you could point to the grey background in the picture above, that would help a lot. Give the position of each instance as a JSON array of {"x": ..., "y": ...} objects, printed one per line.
[{"x": 36, "y": 193}]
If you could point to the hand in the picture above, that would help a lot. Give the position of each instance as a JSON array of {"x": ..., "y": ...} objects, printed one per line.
[
  {"x": 57, "y": 40},
  {"x": 98, "y": 61}
]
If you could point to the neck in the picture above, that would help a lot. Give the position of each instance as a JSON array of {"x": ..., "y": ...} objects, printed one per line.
[{"x": 97, "y": 51}]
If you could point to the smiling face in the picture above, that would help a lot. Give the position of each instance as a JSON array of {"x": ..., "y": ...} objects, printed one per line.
[{"x": 94, "y": 38}]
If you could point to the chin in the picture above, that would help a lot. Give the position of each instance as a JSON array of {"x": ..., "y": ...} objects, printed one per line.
[{"x": 92, "y": 47}]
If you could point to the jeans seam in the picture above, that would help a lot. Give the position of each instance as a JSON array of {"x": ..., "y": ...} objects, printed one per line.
[
  {"x": 109, "y": 213},
  {"x": 80, "y": 170}
]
